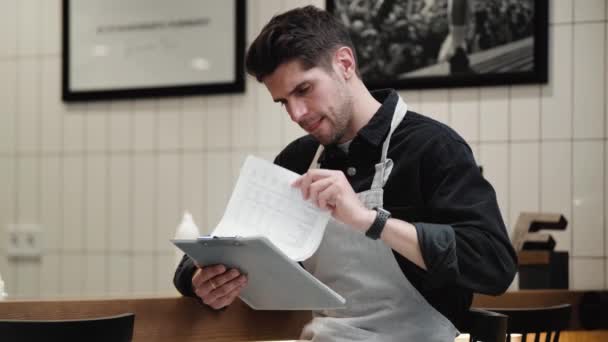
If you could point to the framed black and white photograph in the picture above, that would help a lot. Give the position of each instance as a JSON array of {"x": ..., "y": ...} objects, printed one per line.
[
  {"x": 414, "y": 44},
  {"x": 148, "y": 48}
]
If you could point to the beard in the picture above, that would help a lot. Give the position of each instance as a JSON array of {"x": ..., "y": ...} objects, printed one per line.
[
  {"x": 342, "y": 117},
  {"x": 338, "y": 119}
]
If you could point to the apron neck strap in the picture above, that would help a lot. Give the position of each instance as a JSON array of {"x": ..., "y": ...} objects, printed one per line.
[
  {"x": 315, "y": 161},
  {"x": 398, "y": 115}
]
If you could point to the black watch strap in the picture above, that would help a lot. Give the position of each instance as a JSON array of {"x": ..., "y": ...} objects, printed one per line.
[{"x": 375, "y": 230}]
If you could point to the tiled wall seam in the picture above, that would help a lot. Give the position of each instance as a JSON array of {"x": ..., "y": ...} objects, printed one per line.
[
  {"x": 131, "y": 195},
  {"x": 25, "y": 57},
  {"x": 107, "y": 203},
  {"x": 16, "y": 162},
  {"x": 507, "y": 211},
  {"x": 156, "y": 201},
  {"x": 570, "y": 220},
  {"x": 582, "y": 22},
  {"x": 540, "y": 148},
  {"x": 605, "y": 145}
]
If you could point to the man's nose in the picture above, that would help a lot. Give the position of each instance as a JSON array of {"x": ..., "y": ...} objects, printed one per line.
[{"x": 297, "y": 110}]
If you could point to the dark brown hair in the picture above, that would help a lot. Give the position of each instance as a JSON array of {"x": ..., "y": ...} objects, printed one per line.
[{"x": 307, "y": 34}]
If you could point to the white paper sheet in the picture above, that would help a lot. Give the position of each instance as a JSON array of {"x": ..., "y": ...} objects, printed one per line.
[{"x": 264, "y": 203}]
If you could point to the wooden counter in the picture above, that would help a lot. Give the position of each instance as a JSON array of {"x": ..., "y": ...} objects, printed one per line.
[
  {"x": 170, "y": 319},
  {"x": 184, "y": 319}
]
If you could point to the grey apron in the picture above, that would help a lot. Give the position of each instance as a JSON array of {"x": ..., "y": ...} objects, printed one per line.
[{"x": 382, "y": 305}]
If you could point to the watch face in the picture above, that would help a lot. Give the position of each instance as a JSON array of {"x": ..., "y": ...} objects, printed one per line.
[{"x": 384, "y": 211}]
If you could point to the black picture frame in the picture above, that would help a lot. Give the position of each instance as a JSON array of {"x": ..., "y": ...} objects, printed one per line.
[
  {"x": 519, "y": 61},
  {"x": 230, "y": 60}
]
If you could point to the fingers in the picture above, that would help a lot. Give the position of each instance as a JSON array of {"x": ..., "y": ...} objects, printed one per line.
[
  {"x": 328, "y": 197},
  {"x": 318, "y": 187},
  {"x": 220, "y": 302},
  {"x": 222, "y": 293},
  {"x": 208, "y": 283},
  {"x": 224, "y": 278},
  {"x": 312, "y": 176},
  {"x": 317, "y": 174},
  {"x": 305, "y": 185},
  {"x": 216, "y": 286},
  {"x": 203, "y": 274}
]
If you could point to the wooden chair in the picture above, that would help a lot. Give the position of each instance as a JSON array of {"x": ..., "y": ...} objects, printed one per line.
[
  {"x": 548, "y": 320},
  {"x": 484, "y": 325},
  {"x": 113, "y": 328}
]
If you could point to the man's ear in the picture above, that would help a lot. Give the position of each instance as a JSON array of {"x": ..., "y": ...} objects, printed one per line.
[{"x": 344, "y": 59}]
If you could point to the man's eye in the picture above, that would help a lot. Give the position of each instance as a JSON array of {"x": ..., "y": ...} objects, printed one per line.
[{"x": 303, "y": 90}]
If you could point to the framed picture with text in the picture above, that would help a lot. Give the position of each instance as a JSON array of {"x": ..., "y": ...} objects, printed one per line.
[
  {"x": 415, "y": 44},
  {"x": 115, "y": 49}
]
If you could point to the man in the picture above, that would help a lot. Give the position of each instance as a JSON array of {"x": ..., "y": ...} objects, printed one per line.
[{"x": 409, "y": 277}]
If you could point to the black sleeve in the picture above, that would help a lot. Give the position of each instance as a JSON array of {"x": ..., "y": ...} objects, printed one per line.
[
  {"x": 298, "y": 155},
  {"x": 183, "y": 276},
  {"x": 468, "y": 243}
]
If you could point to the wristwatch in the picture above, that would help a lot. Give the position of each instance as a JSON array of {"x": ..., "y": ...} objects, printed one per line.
[{"x": 376, "y": 228}]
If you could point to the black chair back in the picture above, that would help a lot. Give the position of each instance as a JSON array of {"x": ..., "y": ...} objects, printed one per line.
[
  {"x": 115, "y": 328},
  {"x": 548, "y": 320},
  {"x": 484, "y": 325}
]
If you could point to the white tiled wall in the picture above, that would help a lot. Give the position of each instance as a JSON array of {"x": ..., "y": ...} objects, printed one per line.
[
  {"x": 108, "y": 181},
  {"x": 589, "y": 79},
  {"x": 556, "y": 99},
  {"x": 524, "y": 180},
  {"x": 588, "y": 199},
  {"x": 556, "y": 186},
  {"x": 464, "y": 113}
]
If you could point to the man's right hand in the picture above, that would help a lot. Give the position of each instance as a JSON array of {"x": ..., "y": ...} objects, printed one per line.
[{"x": 216, "y": 286}]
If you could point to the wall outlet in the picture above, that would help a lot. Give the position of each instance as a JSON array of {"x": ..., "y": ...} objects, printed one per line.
[{"x": 24, "y": 241}]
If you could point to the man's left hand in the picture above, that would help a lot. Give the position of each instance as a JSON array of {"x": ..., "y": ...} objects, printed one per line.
[{"x": 330, "y": 190}]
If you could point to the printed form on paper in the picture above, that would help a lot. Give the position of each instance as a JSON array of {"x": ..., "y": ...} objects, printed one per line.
[{"x": 264, "y": 203}]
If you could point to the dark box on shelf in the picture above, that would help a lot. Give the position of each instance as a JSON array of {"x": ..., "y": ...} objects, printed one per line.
[{"x": 543, "y": 270}]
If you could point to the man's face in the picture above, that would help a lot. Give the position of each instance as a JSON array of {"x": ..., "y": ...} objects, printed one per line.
[{"x": 316, "y": 99}]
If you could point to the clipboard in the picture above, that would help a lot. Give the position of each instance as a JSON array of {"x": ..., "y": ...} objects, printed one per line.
[{"x": 275, "y": 282}]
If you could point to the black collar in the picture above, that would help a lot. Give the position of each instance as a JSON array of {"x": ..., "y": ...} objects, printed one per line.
[{"x": 378, "y": 126}]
